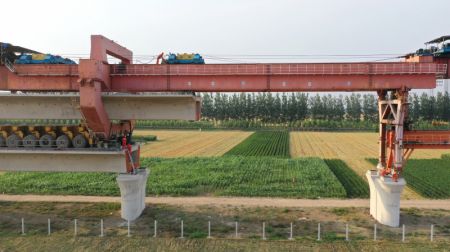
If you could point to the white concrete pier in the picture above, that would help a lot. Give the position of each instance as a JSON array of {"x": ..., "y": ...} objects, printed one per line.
[
  {"x": 385, "y": 198},
  {"x": 132, "y": 191}
]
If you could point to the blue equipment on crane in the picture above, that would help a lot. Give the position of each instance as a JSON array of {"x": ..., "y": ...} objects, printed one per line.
[
  {"x": 38, "y": 58},
  {"x": 184, "y": 58}
]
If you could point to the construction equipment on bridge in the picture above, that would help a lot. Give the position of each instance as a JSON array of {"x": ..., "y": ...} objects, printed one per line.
[
  {"x": 183, "y": 58},
  {"x": 39, "y": 58},
  {"x": 105, "y": 99}
]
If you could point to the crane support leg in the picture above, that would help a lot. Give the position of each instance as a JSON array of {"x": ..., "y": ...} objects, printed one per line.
[
  {"x": 92, "y": 108},
  {"x": 385, "y": 183}
]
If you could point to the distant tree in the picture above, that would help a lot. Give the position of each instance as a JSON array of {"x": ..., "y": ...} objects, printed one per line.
[
  {"x": 370, "y": 108},
  {"x": 414, "y": 107},
  {"x": 316, "y": 108},
  {"x": 302, "y": 106},
  {"x": 276, "y": 108},
  {"x": 353, "y": 107},
  {"x": 284, "y": 108},
  {"x": 207, "y": 105},
  {"x": 339, "y": 108},
  {"x": 426, "y": 107}
]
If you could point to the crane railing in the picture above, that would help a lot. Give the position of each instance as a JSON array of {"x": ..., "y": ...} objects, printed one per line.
[
  {"x": 245, "y": 69},
  {"x": 282, "y": 69}
]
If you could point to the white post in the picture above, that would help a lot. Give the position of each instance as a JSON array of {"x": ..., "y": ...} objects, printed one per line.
[
  {"x": 48, "y": 227},
  {"x": 101, "y": 228},
  {"x": 375, "y": 232},
  {"x": 209, "y": 229},
  {"x": 236, "y": 229},
  {"x": 129, "y": 231},
  {"x": 403, "y": 233},
  {"x": 182, "y": 230},
  {"x": 23, "y": 226},
  {"x": 346, "y": 232},
  {"x": 156, "y": 228},
  {"x": 264, "y": 231},
  {"x": 291, "y": 233},
  {"x": 75, "y": 227},
  {"x": 318, "y": 232},
  {"x": 432, "y": 233}
]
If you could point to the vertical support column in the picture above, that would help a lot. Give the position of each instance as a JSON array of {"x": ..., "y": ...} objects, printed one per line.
[
  {"x": 402, "y": 97},
  {"x": 382, "y": 133},
  {"x": 133, "y": 190},
  {"x": 385, "y": 184}
]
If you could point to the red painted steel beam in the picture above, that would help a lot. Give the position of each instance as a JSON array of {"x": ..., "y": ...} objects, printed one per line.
[
  {"x": 227, "y": 77},
  {"x": 92, "y": 108},
  {"x": 101, "y": 47},
  {"x": 422, "y": 139}
]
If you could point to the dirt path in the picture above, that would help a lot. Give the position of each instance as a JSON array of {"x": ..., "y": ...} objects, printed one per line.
[{"x": 231, "y": 201}]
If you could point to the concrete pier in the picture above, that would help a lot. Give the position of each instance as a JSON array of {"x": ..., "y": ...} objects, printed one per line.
[
  {"x": 385, "y": 198},
  {"x": 132, "y": 191}
]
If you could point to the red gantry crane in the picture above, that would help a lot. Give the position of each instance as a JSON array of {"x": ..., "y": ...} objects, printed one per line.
[{"x": 105, "y": 100}]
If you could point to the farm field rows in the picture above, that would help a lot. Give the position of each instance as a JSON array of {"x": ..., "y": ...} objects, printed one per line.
[
  {"x": 184, "y": 143},
  {"x": 224, "y": 176},
  {"x": 429, "y": 177},
  {"x": 351, "y": 147},
  {"x": 354, "y": 184},
  {"x": 263, "y": 143}
]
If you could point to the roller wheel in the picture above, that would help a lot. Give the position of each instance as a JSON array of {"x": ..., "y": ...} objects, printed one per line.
[
  {"x": 2, "y": 141},
  {"x": 46, "y": 141},
  {"x": 30, "y": 141},
  {"x": 79, "y": 141},
  {"x": 62, "y": 142},
  {"x": 13, "y": 141}
]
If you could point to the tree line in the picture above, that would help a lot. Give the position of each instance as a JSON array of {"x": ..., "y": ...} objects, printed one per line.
[{"x": 288, "y": 107}]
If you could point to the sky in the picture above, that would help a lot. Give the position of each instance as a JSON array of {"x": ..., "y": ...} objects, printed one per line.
[{"x": 229, "y": 29}]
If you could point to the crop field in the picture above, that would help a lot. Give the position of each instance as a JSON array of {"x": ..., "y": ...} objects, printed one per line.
[
  {"x": 184, "y": 143},
  {"x": 351, "y": 147},
  {"x": 263, "y": 143},
  {"x": 428, "y": 177},
  {"x": 226, "y": 176},
  {"x": 354, "y": 184}
]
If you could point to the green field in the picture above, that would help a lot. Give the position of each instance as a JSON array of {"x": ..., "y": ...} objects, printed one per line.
[
  {"x": 428, "y": 177},
  {"x": 225, "y": 176},
  {"x": 244, "y": 176},
  {"x": 263, "y": 143},
  {"x": 354, "y": 185}
]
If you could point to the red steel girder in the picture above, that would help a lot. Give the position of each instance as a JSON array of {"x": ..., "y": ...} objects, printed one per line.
[
  {"x": 226, "y": 77},
  {"x": 423, "y": 139}
]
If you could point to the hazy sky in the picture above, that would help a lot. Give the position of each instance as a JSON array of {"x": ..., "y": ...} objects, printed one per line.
[{"x": 227, "y": 27}]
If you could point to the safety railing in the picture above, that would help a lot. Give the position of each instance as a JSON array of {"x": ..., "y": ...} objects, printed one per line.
[
  {"x": 281, "y": 69},
  {"x": 245, "y": 69}
]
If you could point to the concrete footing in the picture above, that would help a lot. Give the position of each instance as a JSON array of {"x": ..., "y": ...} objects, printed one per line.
[
  {"x": 385, "y": 198},
  {"x": 132, "y": 191}
]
